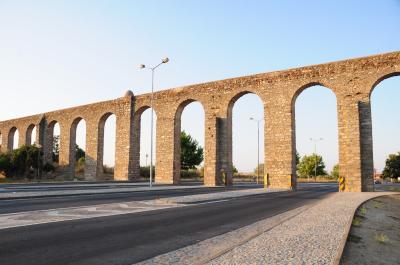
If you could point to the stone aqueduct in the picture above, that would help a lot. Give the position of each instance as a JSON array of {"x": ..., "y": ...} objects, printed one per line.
[{"x": 352, "y": 81}]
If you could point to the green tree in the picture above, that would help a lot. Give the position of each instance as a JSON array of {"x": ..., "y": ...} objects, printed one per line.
[
  {"x": 56, "y": 148},
  {"x": 191, "y": 152},
  {"x": 335, "y": 172},
  {"x": 297, "y": 158},
  {"x": 234, "y": 169},
  {"x": 80, "y": 153},
  {"x": 306, "y": 167},
  {"x": 24, "y": 158},
  {"x": 5, "y": 164},
  {"x": 392, "y": 166}
]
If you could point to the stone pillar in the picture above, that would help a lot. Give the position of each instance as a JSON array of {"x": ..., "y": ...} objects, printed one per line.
[
  {"x": 355, "y": 143},
  {"x": 167, "y": 146},
  {"x": 5, "y": 140},
  {"x": 65, "y": 150},
  {"x": 124, "y": 165},
  {"x": 218, "y": 149},
  {"x": 136, "y": 145},
  {"x": 48, "y": 142},
  {"x": 280, "y": 145},
  {"x": 94, "y": 149},
  {"x": 21, "y": 137}
]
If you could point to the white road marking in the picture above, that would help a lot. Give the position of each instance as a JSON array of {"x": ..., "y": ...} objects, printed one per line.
[{"x": 76, "y": 213}]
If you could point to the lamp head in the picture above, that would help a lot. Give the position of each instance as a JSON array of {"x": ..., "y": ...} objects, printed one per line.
[
  {"x": 251, "y": 118},
  {"x": 141, "y": 66},
  {"x": 165, "y": 60}
]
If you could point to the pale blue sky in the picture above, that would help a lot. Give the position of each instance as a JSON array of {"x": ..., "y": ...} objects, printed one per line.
[{"x": 56, "y": 54}]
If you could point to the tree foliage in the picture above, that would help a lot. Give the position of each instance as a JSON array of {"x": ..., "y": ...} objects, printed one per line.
[
  {"x": 18, "y": 162},
  {"x": 80, "y": 153},
  {"x": 392, "y": 166},
  {"x": 191, "y": 152},
  {"x": 335, "y": 171},
  {"x": 306, "y": 167},
  {"x": 56, "y": 148}
]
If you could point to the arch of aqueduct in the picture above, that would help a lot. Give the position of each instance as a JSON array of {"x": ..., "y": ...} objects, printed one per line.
[{"x": 352, "y": 81}]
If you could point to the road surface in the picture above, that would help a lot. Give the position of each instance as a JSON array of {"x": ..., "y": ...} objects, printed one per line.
[{"x": 130, "y": 238}]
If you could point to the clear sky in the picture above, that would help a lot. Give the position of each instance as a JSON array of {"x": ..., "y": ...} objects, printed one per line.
[{"x": 57, "y": 54}]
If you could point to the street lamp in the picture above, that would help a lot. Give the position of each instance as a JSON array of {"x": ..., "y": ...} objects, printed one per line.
[
  {"x": 315, "y": 140},
  {"x": 142, "y": 66},
  {"x": 258, "y": 146},
  {"x": 38, "y": 159}
]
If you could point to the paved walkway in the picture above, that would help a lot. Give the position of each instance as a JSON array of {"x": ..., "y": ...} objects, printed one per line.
[{"x": 314, "y": 234}]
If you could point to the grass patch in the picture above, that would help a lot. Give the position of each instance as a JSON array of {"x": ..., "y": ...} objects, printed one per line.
[
  {"x": 377, "y": 204},
  {"x": 394, "y": 188},
  {"x": 356, "y": 221},
  {"x": 382, "y": 238},
  {"x": 362, "y": 211},
  {"x": 354, "y": 238}
]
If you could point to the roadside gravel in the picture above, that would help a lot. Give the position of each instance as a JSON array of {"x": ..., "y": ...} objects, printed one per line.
[
  {"x": 316, "y": 236},
  {"x": 313, "y": 234}
]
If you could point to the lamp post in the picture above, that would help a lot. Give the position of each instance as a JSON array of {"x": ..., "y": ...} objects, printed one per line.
[
  {"x": 38, "y": 159},
  {"x": 258, "y": 146},
  {"x": 142, "y": 66},
  {"x": 315, "y": 140}
]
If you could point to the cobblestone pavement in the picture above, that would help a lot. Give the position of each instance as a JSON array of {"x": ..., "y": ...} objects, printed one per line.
[{"x": 313, "y": 234}]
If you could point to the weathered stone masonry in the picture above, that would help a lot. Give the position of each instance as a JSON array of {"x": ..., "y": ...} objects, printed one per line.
[{"x": 352, "y": 81}]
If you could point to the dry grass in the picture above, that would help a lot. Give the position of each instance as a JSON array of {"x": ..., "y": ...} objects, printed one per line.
[
  {"x": 362, "y": 211},
  {"x": 356, "y": 222},
  {"x": 377, "y": 204},
  {"x": 382, "y": 238}
]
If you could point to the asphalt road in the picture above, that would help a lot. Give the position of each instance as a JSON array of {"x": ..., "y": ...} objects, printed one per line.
[
  {"x": 45, "y": 203},
  {"x": 126, "y": 239}
]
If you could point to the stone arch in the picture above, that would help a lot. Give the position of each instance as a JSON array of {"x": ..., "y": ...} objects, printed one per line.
[
  {"x": 297, "y": 93},
  {"x": 177, "y": 136},
  {"x": 101, "y": 142},
  {"x": 383, "y": 132},
  {"x": 136, "y": 148},
  {"x": 29, "y": 132},
  {"x": 48, "y": 148},
  {"x": 11, "y": 138},
  {"x": 380, "y": 79},
  {"x": 73, "y": 143},
  {"x": 228, "y": 165}
]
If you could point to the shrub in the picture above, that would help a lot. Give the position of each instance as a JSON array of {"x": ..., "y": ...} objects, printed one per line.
[
  {"x": 108, "y": 170},
  {"x": 191, "y": 174},
  {"x": 80, "y": 165},
  {"x": 5, "y": 164},
  {"x": 145, "y": 172},
  {"x": 48, "y": 167}
]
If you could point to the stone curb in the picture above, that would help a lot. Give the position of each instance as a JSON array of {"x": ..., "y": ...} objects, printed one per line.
[{"x": 348, "y": 227}]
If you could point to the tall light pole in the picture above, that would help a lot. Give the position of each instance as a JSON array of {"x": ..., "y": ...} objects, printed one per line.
[
  {"x": 258, "y": 146},
  {"x": 142, "y": 66},
  {"x": 315, "y": 140},
  {"x": 38, "y": 159}
]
